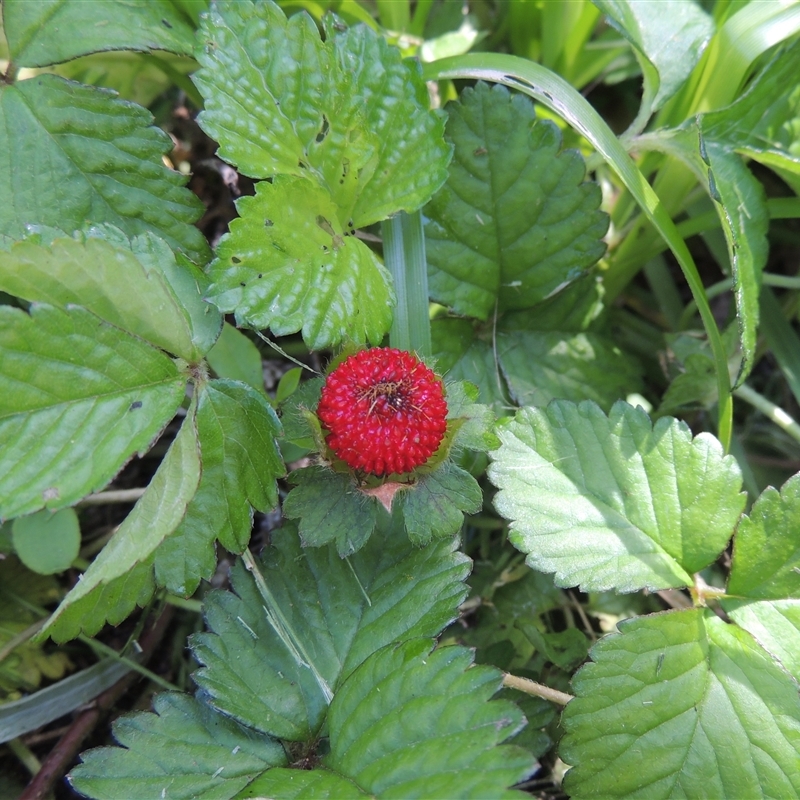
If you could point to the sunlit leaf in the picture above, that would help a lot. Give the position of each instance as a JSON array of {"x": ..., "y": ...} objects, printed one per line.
[
  {"x": 49, "y": 32},
  {"x": 614, "y": 502},
  {"x": 79, "y": 399},
  {"x": 682, "y": 704},
  {"x": 515, "y": 219},
  {"x": 287, "y": 264}
]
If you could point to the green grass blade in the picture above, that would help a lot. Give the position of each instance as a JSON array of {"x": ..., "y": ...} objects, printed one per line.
[
  {"x": 404, "y": 257},
  {"x": 558, "y": 95}
]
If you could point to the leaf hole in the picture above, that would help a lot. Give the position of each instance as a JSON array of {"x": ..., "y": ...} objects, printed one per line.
[
  {"x": 323, "y": 131},
  {"x": 166, "y": 23},
  {"x": 268, "y": 223},
  {"x": 236, "y": 260}
]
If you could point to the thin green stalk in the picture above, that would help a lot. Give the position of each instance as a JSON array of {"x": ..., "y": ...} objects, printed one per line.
[
  {"x": 781, "y": 339},
  {"x": 774, "y": 413},
  {"x": 404, "y": 256},
  {"x": 558, "y": 95},
  {"x": 25, "y": 755},
  {"x": 99, "y": 647},
  {"x": 536, "y": 689}
]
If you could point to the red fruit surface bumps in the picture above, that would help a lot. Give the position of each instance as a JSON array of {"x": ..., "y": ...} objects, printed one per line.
[{"x": 385, "y": 411}]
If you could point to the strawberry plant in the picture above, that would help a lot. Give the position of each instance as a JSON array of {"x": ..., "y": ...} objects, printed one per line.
[{"x": 520, "y": 506}]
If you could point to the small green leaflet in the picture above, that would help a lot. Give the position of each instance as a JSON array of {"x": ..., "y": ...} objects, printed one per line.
[
  {"x": 184, "y": 751},
  {"x": 80, "y": 397},
  {"x": 682, "y": 704},
  {"x": 281, "y": 645},
  {"x": 353, "y": 119},
  {"x": 515, "y": 220},
  {"x": 136, "y": 285},
  {"x": 47, "y": 542},
  {"x": 235, "y": 356},
  {"x": 287, "y": 264},
  {"x": 614, "y": 502},
  {"x": 108, "y": 158}
]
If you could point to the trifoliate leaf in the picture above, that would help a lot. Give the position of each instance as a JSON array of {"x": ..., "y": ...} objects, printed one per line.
[
  {"x": 122, "y": 575},
  {"x": 40, "y": 34},
  {"x": 288, "y": 265},
  {"x": 47, "y": 542},
  {"x": 135, "y": 285},
  {"x": 185, "y": 751},
  {"x": 236, "y": 429},
  {"x": 406, "y": 701},
  {"x": 682, "y": 704},
  {"x": 766, "y": 555},
  {"x": 235, "y": 356},
  {"x": 349, "y": 113},
  {"x": 330, "y": 509},
  {"x": 614, "y": 502},
  {"x": 434, "y": 507},
  {"x": 79, "y": 398},
  {"x": 515, "y": 219},
  {"x": 281, "y": 648},
  {"x": 108, "y": 158},
  {"x": 666, "y": 60}
]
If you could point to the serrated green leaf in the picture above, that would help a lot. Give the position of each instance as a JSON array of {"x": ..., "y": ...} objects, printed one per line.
[
  {"x": 415, "y": 723},
  {"x": 266, "y": 664},
  {"x": 136, "y": 285},
  {"x": 47, "y": 542},
  {"x": 107, "y": 156},
  {"x": 774, "y": 624},
  {"x": 122, "y": 575},
  {"x": 766, "y": 556},
  {"x": 668, "y": 37},
  {"x": 51, "y": 31},
  {"x": 764, "y": 123},
  {"x": 681, "y": 704},
  {"x": 330, "y": 509},
  {"x": 614, "y": 502},
  {"x": 79, "y": 398},
  {"x": 540, "y": 366},
  {"x": 236, "y": 429},
  {"x": 288, "y": 265},
  {"x": 435, "y": 506},
  {"x": 515, "y": 219},
  {"x": 354, "y": 119},
  {"x": 185, "y": 751},
  {"x": 235, "y": 356}
]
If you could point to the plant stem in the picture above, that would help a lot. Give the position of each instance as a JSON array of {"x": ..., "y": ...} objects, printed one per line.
[
  {"x": 113, "y": 496},
  {"x": 404, "y": 256},
  {"x": 25, "y": 755},
  {"x": 769, "y": 409},
  {"x": 536, "y": 689}
]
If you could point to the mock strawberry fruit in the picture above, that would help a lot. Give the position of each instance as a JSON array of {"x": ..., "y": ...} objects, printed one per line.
[{"x": 384, "y": 410}]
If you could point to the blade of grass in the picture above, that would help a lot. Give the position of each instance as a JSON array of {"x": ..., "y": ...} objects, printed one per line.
[
  {"x": 781, "y": 339},
  {"x": 558, "y": 95},
  {"x": 404, "y": 256}
]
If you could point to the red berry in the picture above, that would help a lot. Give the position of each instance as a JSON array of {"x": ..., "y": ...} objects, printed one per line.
[{"x": 385, "y": 411}]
